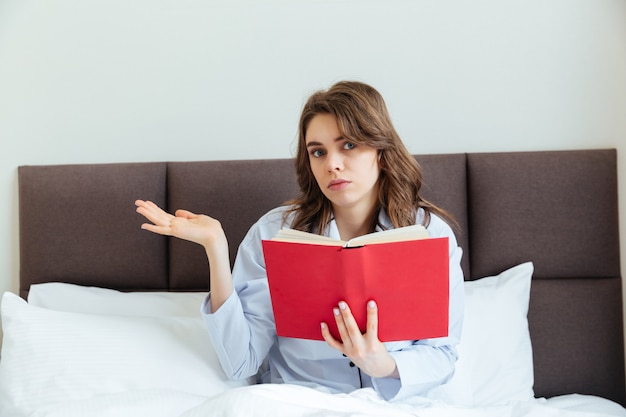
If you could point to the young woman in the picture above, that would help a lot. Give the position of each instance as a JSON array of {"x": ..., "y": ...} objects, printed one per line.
[{"x": 355, "y": 177}]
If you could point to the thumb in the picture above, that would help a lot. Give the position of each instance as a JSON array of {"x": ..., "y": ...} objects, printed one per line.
[{"x": 185, "y": 214}]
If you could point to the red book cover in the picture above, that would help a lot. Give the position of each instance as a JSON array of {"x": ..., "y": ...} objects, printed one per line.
[{"x": 409, "y": 280}]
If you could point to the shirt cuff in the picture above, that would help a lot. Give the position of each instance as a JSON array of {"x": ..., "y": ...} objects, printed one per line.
[
  {"x": 205, "y": 308},
  {"x": 387, "y": 388}
]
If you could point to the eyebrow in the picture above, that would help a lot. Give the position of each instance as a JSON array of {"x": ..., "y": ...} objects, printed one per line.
[{"x": 315, "y": 143}]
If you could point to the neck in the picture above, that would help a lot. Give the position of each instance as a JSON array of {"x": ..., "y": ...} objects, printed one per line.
[{"x": 351, "y": 223}]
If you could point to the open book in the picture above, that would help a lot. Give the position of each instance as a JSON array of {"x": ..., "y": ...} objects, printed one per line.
[
  {"x": 403, "y": 270},
  {"x": 391, "y": 235}
]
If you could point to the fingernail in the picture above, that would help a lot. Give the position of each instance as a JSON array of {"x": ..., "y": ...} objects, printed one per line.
[
  {"x": 323, "y": 325},
  {"x": 371, "y": 304},
  {"x": 342, "y": 305},
  {"x": 336, "y": 311}
]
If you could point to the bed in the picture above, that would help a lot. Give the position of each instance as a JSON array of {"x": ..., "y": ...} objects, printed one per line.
[{"x": 112, "y": 325}]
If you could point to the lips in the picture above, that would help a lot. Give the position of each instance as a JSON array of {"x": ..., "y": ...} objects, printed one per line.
[{"x": 338, "y": 184}]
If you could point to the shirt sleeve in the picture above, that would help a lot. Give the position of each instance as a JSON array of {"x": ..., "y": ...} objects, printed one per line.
[
  {"x": 242, "y": 329},
  {"x": 428, "y": 363}
]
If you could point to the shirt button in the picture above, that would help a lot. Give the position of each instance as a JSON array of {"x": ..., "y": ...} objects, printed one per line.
[{"x": 351, "y": 364}]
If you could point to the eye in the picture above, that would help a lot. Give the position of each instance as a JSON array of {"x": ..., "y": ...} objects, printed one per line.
[
  {"x": 316, "y": 153},
  {"x": 349, "y": 145}
]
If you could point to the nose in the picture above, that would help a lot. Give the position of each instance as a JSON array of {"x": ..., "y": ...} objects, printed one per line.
[{"x": 334, "y": 162}]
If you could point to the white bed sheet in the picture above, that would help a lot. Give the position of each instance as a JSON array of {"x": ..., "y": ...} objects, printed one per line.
[
  {"x": 281, "y": 400},
  {"x": 59, "y": 344}
]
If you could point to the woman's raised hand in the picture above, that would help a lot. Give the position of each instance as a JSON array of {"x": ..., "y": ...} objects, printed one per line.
[
  {"x": 200, "y": 229},
  {"x": 197, "y": 228}
]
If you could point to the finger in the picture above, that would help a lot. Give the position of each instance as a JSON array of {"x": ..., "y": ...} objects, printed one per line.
[
  {"x": 341, "y": 327},
  {"x": 147, "y": 213},
  {"x": 372, "y": 320},
  {"x": 332, "y": 342},
  {"x": 348, "y": 319},
  {"x": 147, "y": 204},
  {"x": 140, "y": 202},
  {"x": 141, "y": 205},
  {"x": 156, "y": 218},
  {"x": 154, "y": 213},
  {"x": 161, "y": 230}
]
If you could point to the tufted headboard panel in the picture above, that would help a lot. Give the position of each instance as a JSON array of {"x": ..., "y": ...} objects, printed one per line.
[{"x": 558, "y": 209}]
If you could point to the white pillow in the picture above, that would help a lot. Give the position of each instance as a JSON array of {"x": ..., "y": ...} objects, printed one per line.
[
  {"x": 495, "y": 363},
  {"x": 82, "y": 299},
  {"x": 495, "y": 354},
  {"x": 50, "y": 357}
]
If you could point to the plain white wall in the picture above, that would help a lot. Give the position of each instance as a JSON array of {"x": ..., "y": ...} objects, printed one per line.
[{"x": 84, "y": 81}]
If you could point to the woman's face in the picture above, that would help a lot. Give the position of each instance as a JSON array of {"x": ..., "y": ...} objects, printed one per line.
[{"x": 346, "y": 173}]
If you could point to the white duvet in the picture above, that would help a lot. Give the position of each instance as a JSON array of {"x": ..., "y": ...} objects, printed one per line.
[
  {"x": 76, "y": 351},
  {"x": 274, "y": 400}
]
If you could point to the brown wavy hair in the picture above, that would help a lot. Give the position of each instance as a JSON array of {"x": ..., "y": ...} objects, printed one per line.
[{"x": 363, "y": 119}]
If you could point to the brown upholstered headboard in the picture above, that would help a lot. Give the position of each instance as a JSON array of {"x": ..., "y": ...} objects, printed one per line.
[{"x": 558, "y": 209}]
